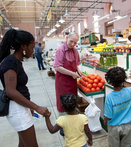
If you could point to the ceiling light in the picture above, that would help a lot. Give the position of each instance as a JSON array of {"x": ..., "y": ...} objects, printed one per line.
[
  {"x": 37, "y": 27},
  {"x": 16, "y": 28},
  {"x": 117, "y": 19},
  {"x": 106, "y": 16},
  {"x": 47, "y": 27},
  {"x": 66, "y": 14},
  {"x": 57, "y": 24},
  {"x": 95, "y": 14},
  {"x": 61, "y": 20},
  {"x": 118, "y": 15}
]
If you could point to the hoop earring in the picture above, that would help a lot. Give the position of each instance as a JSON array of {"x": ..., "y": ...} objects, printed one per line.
[{"x": 24, "y": 53}]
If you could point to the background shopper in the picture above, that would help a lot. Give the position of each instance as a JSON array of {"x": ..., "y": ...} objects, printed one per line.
[
  {"x": 14, "y": 80},
  {"x": 75, "y": 125},
  {"x": 103, "y": 40},
  {"x": 117, "y": 109},
  {"x": 67, "y": 71},
  {"x": 38, "y": 53}
]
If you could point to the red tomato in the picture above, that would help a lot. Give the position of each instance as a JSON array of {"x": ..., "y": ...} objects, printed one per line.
[
  {"x": 94, "y": 85},
  {"x": 98, "y": 89},
  {"x": 90, "y": 81},
  {"x": 102, "y": 81},
  {"x": 92, "y": 77},
  {"x": 98, "y": 77},
  {"x": 103, "y": 87},
  {"x": 96, "y": 81},
  {"x": 89, "y": 86},
  {"x": 100, "y": 85},
  {"x": 87, "y": 90},
  {"x": 93, "y": 90}
]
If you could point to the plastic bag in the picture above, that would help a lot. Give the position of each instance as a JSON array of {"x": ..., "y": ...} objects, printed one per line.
[{"x": 93, "y": 114}]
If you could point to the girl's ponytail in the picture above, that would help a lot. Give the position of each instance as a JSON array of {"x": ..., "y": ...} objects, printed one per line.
[{"x": 7, "y": 43}]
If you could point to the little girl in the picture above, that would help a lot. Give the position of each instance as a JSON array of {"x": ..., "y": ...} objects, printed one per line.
[
  {"x": 118, "y": 109},
  {"x": 75, "y": 125}
]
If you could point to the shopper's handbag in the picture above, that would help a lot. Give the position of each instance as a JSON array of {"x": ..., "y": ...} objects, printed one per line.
[{"x": 4, "y": 103}]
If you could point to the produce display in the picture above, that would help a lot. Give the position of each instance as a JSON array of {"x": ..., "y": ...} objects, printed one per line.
[
  {"x": 123, "y": 48},
  {"x": 108, "y": 59},
  {"x": 108, "y": 48},
  {"x": 99, "y": 47},
  {"x": 91, "y": 83}
]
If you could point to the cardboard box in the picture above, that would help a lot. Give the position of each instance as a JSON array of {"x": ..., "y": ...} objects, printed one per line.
[
  {"x": 125, "y": 35},
  {"x": 82, "y": 104},
  {"x": 129, "y": 24},
  {"x": 130, "y": 29},
  {"x": 125, "y": 31}
]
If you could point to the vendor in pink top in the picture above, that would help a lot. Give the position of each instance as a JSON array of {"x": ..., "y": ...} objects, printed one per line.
[{"x": 67, "y": 71}]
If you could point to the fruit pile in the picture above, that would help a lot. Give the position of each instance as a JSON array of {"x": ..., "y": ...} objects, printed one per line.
[
  {"x": 99, "y": 47},
  {"x": 91, "y": 83},
  {"x": 123, "y": 48}
]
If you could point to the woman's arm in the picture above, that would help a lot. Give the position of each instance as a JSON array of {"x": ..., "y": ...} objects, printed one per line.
[
  {"x": 67, "y": 72},
  {"x": 88, "y": 134},
  {"x": 10, "y": 78},
  {"x": 52, "y": 129}
]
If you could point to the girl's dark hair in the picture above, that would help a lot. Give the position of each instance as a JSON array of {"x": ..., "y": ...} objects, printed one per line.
[
  {"x": 13, "y": 39},
  {"x": 116, "y": 76},
  {"x": 103, "y": 40},
  {"x": 69, "y": 102}
]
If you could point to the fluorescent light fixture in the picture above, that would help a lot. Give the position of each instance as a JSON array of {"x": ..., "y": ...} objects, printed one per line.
[
  {"x": 118, "y": 15},
  {"x": 57, "y": 24},
  {"x": 101, "y": 18},
  {"x": 47, "y": 27},
  {"x": 37, "y": 27},
  {"x": 61, "y": 20},
  {"x": 66, "y": 14},
  {"x": 16, "y": 28},
  {"x": 117, "y": 19},
  {"x": 95, "y": 14},
  {"x": 6, "y": 28}
]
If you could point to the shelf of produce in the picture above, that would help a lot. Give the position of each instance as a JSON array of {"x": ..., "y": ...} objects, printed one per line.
[
  {"x": 88, "y": 96},
  {"x": 97, "y": 68}
]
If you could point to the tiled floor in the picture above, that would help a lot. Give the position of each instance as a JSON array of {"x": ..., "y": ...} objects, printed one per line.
[{"x": 42, "y": 90}]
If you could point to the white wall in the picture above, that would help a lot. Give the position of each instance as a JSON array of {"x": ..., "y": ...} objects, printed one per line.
[{"x": 53, "y": 43}]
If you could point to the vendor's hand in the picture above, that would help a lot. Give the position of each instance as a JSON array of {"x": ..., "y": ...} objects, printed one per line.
[
  {"x": 80, "y": 73},
  {"x": 90, "y": 143},
  {"x": 42, "y": 110},
  {"x": 75, "y": 75}
]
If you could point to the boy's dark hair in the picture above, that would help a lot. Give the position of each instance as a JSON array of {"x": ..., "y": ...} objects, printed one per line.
[
  {"x": 39, "y": 44},
  {"x": 129, "y": 37},
  {"x": 103, "y": 40},
  {"x": 69, "y": 102},
  {"x": 116, "y": 76},
  {"x": 93, "y": 43},
  {"x": 13, "y": 39}
]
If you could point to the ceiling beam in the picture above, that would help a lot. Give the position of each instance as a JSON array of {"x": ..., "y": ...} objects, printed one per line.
[
  {"x": 79, "y": 7},
  {"x": 90, "y": 1}
]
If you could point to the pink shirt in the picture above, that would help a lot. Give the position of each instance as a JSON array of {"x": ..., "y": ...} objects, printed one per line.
[{"x": 63, "y": 52}]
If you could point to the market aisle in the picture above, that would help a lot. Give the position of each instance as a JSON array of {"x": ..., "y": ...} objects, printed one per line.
[{"x": 42, "y": 89}]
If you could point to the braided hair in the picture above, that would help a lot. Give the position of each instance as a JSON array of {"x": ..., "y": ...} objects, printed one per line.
[
  {"x": 69, "y": 102},
  {"x": 116, "y": 76},
  {"x": 13, "y": 39}
]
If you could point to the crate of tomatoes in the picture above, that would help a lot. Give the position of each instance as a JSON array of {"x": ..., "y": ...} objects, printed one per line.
[{"x": 91, "y": 83}]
